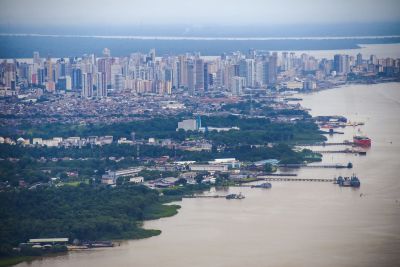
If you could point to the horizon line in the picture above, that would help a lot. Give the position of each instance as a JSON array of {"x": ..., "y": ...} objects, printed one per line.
[{"x": 200, "y": 38}]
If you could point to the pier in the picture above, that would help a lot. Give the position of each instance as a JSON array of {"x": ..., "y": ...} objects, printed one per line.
[
  {"x": 287, "y": 179},
  {"x": 328, "y": 144},
  {"x": 282, "y": 174},
  {"x": 333, "y": 166},
  {"x": 345, "y": 151},
  {"x": 281, "y": 179},
  {"x": 200, "y": 196},
  {"x": 333, "y": 132}
]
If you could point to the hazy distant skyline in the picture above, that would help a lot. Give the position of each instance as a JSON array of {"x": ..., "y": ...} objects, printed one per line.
[{"x": 205, "y": 12}]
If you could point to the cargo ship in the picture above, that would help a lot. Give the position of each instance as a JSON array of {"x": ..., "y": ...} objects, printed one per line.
[{"x": 361, "y": 141}]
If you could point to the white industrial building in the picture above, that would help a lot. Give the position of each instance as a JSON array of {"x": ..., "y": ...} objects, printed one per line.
[{"x": 188, "y": 125}]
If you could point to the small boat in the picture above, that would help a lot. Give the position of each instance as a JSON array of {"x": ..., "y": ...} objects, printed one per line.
[
  {"x": 235, "y": 196},
  {"x": 354, "y": 181},
  {"x": 263, "y": 185}
]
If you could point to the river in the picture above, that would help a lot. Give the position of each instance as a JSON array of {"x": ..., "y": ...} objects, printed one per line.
[{"x": 294, "y": 223}]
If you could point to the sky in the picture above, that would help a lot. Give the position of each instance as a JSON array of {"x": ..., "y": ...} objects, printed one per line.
[{"x": 202, "y": 12}]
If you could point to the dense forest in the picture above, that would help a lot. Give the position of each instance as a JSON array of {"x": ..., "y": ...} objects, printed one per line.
[{"x": 83, "y": 212}]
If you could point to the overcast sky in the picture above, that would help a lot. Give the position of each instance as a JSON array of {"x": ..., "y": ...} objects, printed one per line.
[{"x": 203, "y": 12}]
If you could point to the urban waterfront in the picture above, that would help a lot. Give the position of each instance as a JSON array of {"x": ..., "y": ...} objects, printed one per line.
[
  {"x": 294, "y": 223},
  {"x": 199, "y": 133}
]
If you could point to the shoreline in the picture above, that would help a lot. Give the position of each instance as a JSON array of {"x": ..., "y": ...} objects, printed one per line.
[
  {"x": 147, "y": 233},
  {"x": 311, "y": 50},
  {"x": 17, "y": 260},
  {"x": 347, "y": 83},
  {"x": 15, "y": 47}
]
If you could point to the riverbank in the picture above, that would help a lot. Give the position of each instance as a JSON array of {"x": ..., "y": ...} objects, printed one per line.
[
  {"x": 335, "y": 217},
  {"x": 154, "y": 212},
  {"x": 157, "y": 209},
  {"x": 108, "y": 214}
]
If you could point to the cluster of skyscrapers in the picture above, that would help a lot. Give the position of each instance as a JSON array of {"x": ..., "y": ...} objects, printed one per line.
[
  {"x": 142, "y": 73},
  {"x": 96, "y": 77}
]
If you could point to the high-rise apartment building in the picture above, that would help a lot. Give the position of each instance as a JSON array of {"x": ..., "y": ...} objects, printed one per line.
[{"x": 199, "y": 75}]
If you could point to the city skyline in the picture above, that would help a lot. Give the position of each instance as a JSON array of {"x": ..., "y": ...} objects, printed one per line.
[{"x": 90, "y": 76}]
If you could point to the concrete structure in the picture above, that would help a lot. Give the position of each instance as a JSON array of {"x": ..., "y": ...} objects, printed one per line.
[
  {"x": 231, "y": 163},
  {"x": 49, "y": 241},
  {"x": 341, "y": 64},
  {"x": 111, "y": 177},
  {"x": 293, "y": 85},
  {"x": 219, "y": 129},
  {"x": 209, "y": 167},
  {"x": 188, "y": 125},
  {"x": 136, "y": 180},
  {"x": 309, "y": 85},
  {"x": 237, "y": 85}
]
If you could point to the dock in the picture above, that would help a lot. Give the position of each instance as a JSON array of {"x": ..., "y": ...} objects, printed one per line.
[
  {"x": 345, "y": 151},
  {"x": 200, "y": 196},
  {"x": 288, "y": 179},
  {"x": 282, "y": 174},
  {"x": 333, "y": 132},
  {"x": 267, "y": 178},
  {"x": 333, "y": 166},
  {"x": 328, "y": 144}
]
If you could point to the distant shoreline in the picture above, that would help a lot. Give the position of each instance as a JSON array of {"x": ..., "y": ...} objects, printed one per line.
[{"x": 23, "y": 45}]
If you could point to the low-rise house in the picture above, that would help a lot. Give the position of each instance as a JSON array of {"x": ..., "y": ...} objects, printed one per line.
[
  {"x": 105, "y": 140},
  {"x": 50, "y": 142},
  {"x": 92, "y": 140},
  {"x": 37, "y": 141},
  {"x": 136, "y": 180},
  {"x": 108, "y": 178},
  {"x": 124, "y": 140}
]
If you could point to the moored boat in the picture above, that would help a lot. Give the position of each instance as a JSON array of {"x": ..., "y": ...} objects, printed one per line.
[
  {"x": 235, "y": 196},
  {"x": 352, "y": 181},
  {"x": 263, "y": 185},
  {"x": 361, "y": 141}
]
